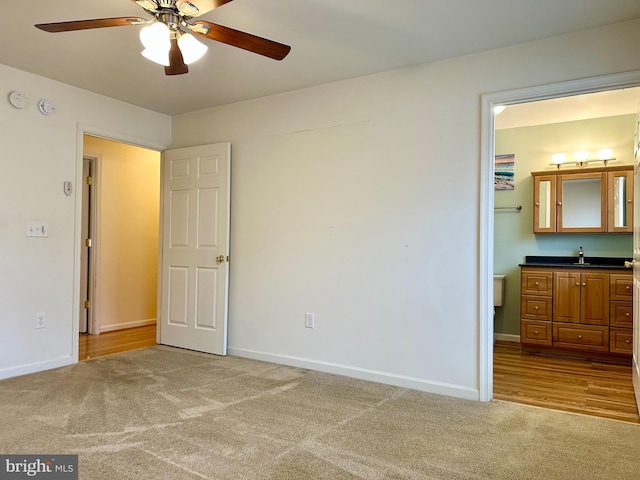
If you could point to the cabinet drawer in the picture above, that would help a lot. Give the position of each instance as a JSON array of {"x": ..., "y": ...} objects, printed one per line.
[
  {"x": 536, "y": 283},
  {"x": 621, "y": 314},
  {"x": 536, "y": 308},
  {"x": 581, "y": 337},
  {"x": 621, "y": 340},
  {"x": 535, "y": 333},
  {"x": 620, "y": 286}
]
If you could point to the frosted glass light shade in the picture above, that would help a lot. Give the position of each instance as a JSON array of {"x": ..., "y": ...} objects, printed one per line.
[
  {"x": 498, "y": 109},
  {"x": 581, "y": 156},
  {"x": 605, "y": 153},
  {"x": 558, "y": 158},
  {"x": 156, "y": 39},
  {"x": 155, "y": 34},
  {"x": 191, "y": 48},
  {"x": 157, "y": 55}
]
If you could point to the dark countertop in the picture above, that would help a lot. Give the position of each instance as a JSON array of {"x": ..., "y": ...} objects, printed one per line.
[{"x": 572, "y": 262}]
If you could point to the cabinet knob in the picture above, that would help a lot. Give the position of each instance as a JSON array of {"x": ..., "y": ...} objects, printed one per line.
[
  {"x": 627, "y": 288},
  {"x": 627, "y": 341},
  {"x": 580, "y": 337},
  {"x": 577, "y": 284},
  {"x": 536, "y": 307},
  {"x": 627, "y": 314},
  {"x": 559, "y": 204},
  {"x": 629, "y": 200},
  {"x": 584, "y": 284},
  {"x": 537, "y": 284},
  {"x": 535, "y": 332}
]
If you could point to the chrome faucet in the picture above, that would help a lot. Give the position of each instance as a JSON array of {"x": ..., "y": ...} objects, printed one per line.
[{"x": 581, "y": 256}]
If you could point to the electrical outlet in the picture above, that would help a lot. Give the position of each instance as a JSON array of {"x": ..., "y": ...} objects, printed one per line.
[
  {"x": 40, "y": 320},
  {"x": 309, "y": 320}
]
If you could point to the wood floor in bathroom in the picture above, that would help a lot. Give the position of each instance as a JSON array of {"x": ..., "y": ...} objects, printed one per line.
[{"x": 570, "y": 384}]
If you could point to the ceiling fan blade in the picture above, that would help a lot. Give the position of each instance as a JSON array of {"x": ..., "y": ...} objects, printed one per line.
[
  {"x": 88, "y": 24},
  {"x": 203, "y": 6},
  {"x": 243, "y": 40},
  {"x": 176, "y": 62}
]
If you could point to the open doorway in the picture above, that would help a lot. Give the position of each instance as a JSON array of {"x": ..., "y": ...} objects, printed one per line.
[
  {"x": 119, "y": 261},
  {"x": 534, "y": 130}
]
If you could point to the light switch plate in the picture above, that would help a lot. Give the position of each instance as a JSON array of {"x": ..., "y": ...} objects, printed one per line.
[{"x": 37, "y": 229}]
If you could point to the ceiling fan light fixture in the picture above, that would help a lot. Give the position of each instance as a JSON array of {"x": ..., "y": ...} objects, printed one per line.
[{"x": 192, "y": 49}]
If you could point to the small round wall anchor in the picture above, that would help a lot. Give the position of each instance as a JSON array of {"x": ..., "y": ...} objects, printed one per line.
[
  {"x": 18, "y": 99},
  {"x": 46, "y": 107}
]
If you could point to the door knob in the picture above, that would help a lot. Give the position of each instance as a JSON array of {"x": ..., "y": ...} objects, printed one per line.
[{"x": 220, "y": 259}]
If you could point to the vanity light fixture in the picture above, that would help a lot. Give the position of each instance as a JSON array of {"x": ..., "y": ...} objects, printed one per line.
[
  {"x": 498, "y": 109},
  {"x": 605, "y": 155}
]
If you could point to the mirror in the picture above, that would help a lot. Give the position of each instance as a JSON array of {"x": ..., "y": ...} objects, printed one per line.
[
  {"x": 620, "y": 202},
  {"x": 544, "y": 216},
  {"x": 581, "y": 203}
]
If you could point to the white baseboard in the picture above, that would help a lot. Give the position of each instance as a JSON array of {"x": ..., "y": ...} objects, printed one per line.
[
  {"x": 362, "y": 374},
  {"x": 123, "y": 326},
  {"x": 36, "y": 367},
  {"x": 505, "y": 337}
]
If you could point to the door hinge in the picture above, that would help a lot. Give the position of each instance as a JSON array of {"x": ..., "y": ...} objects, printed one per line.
[
  {"x": 89, "y": 180},
  {"x": 87, "y": 304},
  {"x": 87, "y": 242}
]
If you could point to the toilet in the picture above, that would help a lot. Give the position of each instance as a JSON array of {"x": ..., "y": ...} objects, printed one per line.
[{"x": 498, "y": 290}]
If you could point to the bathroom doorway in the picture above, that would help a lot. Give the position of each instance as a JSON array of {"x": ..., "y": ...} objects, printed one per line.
[{"x": 511, "y": 227}]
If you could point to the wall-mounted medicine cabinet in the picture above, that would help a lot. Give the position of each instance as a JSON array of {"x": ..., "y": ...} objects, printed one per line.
[{"x": 594, "y": 200}]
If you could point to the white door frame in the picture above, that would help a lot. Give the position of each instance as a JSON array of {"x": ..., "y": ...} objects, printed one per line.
[
  {"x": 83, "y": 130},
  {"x": 542, "y": 92}
]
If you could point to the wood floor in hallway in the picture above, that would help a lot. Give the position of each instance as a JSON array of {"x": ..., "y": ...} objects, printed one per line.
[
  {"x": 574, "y": 385},
  {"x": 93, "y": 346}
]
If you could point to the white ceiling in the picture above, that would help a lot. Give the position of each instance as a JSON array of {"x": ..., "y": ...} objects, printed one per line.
[
  {"x": 568, "y": 109},
  {"x": 330, "y": 39}
]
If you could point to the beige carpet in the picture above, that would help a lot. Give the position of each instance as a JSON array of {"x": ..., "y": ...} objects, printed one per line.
[{"x": 164, "y": 413}]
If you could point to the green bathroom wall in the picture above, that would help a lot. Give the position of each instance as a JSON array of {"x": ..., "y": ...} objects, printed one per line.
[{"x": 513, "y": 236}]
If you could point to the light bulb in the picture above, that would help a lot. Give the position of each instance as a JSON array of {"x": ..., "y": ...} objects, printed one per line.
[
  {"x": 605, "y": 153},
  {"x": 498, "y": 109},
  {"x": 558, "y": 158},
  {"x": 191, "y": 48}
]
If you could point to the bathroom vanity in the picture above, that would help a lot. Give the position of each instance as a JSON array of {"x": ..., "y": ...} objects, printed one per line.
[{"x": 580, "y": 309}]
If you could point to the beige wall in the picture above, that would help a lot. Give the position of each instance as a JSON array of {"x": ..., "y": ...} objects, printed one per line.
[
  {"x": 514, "y": 238},
  {"x": 129, "y": 199},
  {"x": 39, "y": 154},
  {"x": 359, "y": 201}
]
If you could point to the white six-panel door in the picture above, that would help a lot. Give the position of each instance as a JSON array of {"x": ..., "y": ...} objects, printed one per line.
[{"x": 195, "y": 248}]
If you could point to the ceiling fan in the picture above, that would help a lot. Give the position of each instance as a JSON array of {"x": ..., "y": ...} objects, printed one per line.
[{"x": 167, "y": 36}]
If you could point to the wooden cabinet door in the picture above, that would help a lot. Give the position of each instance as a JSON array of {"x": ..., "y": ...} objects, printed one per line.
[
  {"x": 544, "y": 203},
  {"x": 594, "y": 298},
  {"x": 566, "y": 296},
  {"x": 620, "y": 201}
]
